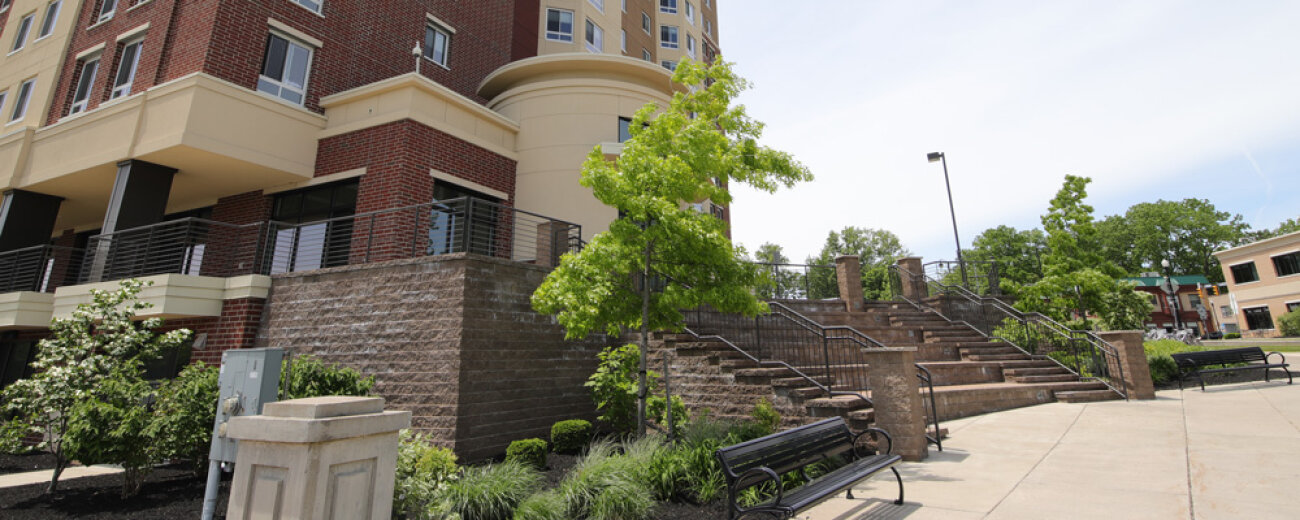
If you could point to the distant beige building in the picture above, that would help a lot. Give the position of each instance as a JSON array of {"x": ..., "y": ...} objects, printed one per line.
[{"x": 1263, "y": 282}]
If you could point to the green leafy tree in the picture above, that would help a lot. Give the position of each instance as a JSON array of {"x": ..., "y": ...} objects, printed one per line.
[
  {"x": 876, "y": 248},
  {"x": 1019, "y": 255},
  {"x": 95, "y": 360},
  {"x": 1290, "y": 225},
  {"x": 1076, "y": 275},
  {"x": 777, "y": 282},
  {"x": 1186, "y": 232},
  {"x": 670, "y": 161}
]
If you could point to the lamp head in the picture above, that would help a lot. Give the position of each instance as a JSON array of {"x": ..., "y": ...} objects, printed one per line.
[
  {"x": 934, "y": 156},
  {"x": 416, "y": 51},
  {"x": 1164, "y": 263}
]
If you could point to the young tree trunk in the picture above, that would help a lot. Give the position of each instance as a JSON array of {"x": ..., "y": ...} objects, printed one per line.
[
  {"x": 642, "y": 391},
  {"x": 132, "y": 479},
  {"x": 59, "y": 465}
]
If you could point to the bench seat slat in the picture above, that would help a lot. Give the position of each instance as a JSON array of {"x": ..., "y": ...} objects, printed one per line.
[{"x": 824, "y": 486}]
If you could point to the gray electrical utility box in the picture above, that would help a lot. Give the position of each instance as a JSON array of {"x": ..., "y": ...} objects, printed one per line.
[{"x": 249, "y": 379}]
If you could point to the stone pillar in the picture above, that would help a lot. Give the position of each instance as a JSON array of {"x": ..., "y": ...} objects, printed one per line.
[
  {"x": 848, "y": 271},
  {"x": 896, "y": 397},
  {"x": 913, "y": 278},
  {"x": 1133, "y": 359},
  {"x": 27, "y": 219},
  {"x": 321, "y": 457}
]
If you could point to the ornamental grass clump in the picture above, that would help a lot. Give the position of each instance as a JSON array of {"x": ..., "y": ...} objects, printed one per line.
[
  {"x": 489, "y": 492},
  {"x": 608, "y": 485}
]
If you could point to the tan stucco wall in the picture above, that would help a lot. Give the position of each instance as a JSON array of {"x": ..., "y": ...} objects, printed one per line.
[
  {"x": 40, "y": 59},
  {"x": 565, "y": 105},
  {"x": 1270, "y": 290}
]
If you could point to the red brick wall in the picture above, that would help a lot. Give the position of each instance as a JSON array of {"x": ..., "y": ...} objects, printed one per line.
[
  {"x": 235, "y": 328},
  {"x": 364, "y": 41},
  {"x": 524, "y": 44}
]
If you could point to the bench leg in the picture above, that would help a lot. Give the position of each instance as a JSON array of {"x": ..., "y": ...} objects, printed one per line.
[
  {"x": 849, "y": 494},
  {"x": 900, "y": 486}
]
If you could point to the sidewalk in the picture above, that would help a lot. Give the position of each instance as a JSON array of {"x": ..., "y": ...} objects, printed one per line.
[
  {"x": 1231, "y": 452},
  {"x": 43, "y": 476}
]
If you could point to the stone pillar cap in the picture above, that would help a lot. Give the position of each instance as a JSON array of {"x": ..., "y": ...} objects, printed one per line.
[
  {"x": 847, "y": 257},
  {"x": 322, "y": 407}
]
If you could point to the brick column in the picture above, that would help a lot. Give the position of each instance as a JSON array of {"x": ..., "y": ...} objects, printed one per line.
[
  {"x": 848, "y": 271},
  {"x": 896, "y": 397},
  {"x": 914, "y": 287},
  {"x": 1133, "y": 359}
]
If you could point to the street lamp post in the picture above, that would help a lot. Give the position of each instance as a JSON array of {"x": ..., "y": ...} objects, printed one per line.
[
  {"x": 1173, "y": 294},
  {"x": 937, "y": 157}
]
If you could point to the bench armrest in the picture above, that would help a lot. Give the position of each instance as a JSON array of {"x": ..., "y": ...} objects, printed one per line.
[
  {"x": 888, "y": 450},
  {"x": 1278, "y": 354},
  {"x": 771, "y": 475}
]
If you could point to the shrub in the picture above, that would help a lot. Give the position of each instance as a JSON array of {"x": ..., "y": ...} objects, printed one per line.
[
  {"x": 1289, "y": 323},
  {"x": 309, "y": 377},
  {"x": 1232, "y": 335},
  {"x": 184, "y": 414},
  {"x": 110, "y": 427},
  {"x": 765, "y": 415},
  {"x": 421, "y": 470},
  {"x": 547, "y": 505},
  {"x": 571, "y": 436},
  {"x": 1162, "y": 366},
  {"x": 486, "y": 492},
  {"x": 528, "y": 451},
  {"x": 614, "y": 386}
]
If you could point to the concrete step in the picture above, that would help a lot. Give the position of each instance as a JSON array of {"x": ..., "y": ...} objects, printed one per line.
[
  {"x": 1087, "y": 396},
  {"x": 834, "y": 406},
  {"x": 993, "y": 357},
  {"x": 1034, "y": 371},
  {"x": 1051, "y": 378},
  {"x": 989, "y": 350},
  {"x": 796, "y": 382}
]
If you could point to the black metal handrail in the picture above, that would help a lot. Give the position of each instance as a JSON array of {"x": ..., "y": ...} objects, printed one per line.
[
  {"x": 1086, "y": 355},
  {"x": 40, "y": 268},
  {"x": 184, "y": 246},
  {"x": 927, "y": 381}
]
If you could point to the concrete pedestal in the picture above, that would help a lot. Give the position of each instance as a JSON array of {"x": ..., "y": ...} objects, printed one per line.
[
  {"x": 848, "y": 273},
  {"x": 912, "y": 277},
  {"x": 316, "y": 458},
  {"x": 1137, "y": 374},
  {"x": 896, "y": 396}
]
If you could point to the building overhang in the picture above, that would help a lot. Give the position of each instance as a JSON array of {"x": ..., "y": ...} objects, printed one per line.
[
  {"x": 584, "y": 66},
  {"x": 222, "y": 138},
  {"x": 25, "y": 310},
  {"x": 170, "y": 295}
]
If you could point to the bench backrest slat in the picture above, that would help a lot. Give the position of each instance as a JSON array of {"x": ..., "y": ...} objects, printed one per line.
[
  {"x": 1219, "y": 357},
  {"x": 788, "y": 450}
]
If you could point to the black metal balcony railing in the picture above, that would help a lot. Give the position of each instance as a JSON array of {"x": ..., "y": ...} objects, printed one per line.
[
  {"x": 197, "y": 246},
  {"x": 39, "y": 268}
]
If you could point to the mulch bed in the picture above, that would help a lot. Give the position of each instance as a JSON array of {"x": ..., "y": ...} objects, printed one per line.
[{"x": 169, "y": 492}]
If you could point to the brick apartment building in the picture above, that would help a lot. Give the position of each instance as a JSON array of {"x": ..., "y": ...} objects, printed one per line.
[{"x": 378, "y": 182}]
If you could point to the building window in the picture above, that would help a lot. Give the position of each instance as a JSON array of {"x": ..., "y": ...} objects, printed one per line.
[
  {"x": 322, "y": 236},
  {"x": 690, "y": 13},
  {"x": 595, "y": 37},
  {"x": 1288, "y": 264},
  {"x": 311, "y": 5},
  {"x": 668, "y": 64},
  {"x": 86, "y": 81},
  {"x": 106, "y": 10},
  {"x": 625, "y": 6},
  {"x": 3, "y": 96},
  {"x": 1242, "y": 273},
  {"x": 284, "y": 69},
  {"x": 645, "y": 55},
  {"x": 51, "y": 17},
  {"x": 4, "y": 5},
  {"x": 1225, "y": 310},
  {"x": 559, "y": 25},
  {"x": 130, "y": 58},
  {"x": 20, "y": 103},
  {"x": 645, "y": 23},
  {"x": 624, "y": 129},
  {"x": 623, "y": 40},
  {"x": 437, "y": 43},
  {"x": 708, "y": 3},
  {"x": 1292, "y": 306},
  {"x": 24, "y": 27},
  {"x": 708, "y": 27},
  {"x": 668, "y": 36},
  {"x": 1194, "y": 301},
  {"x": 600, "y": 4},
  {"x": 1258, "y": 318},
  {"x": 668, "y": 6},
  {"x": 690, "y": 46}
]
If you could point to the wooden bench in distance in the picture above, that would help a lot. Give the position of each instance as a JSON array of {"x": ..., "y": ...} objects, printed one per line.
[
  {"x": 765, "y": 459},
  {"x": 1194, "y": 363}
]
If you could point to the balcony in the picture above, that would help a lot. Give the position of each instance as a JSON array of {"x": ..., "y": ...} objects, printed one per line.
[{"x": 196, "y": 259}]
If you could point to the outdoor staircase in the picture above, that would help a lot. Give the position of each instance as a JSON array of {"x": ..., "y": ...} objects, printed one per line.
[{"x": 971, "y": 375}]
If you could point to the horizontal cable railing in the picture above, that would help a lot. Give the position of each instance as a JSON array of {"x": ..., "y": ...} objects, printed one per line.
[
  {"x": 1081, "y": 352},
  {"x": 191, "y": 246},
  {"x": 40, "y": 268},
  {"x": 796, "y": 281}
]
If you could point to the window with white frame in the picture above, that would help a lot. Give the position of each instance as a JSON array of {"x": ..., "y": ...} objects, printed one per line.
[
  {"x": 690, "y": 12},
  {"x": 708, "y": 27},
  {"x": 4, "y": 5},
  {"x": 600, "y": 4},
  {"x": 668, "y": 36},
  {"x": 284, "y": 69},
  {"x": 106, "y": 10},
  {"x": 24, "y": 27},
  {"x": 559, "y": 25},
  {"x": 51, "y": 17},
  {"x": 623, "y": 40},
  {"x": 645, "y": 55},
  {"x": 595, "y": 37},
  {"x": 645, "y": 23},
  {"x": 126, "y": 65},
  {"x": 437, "y": 43},
  {"x": 3, "y": 96},
  {"x": 85, "y": 82},
  {"x": 708, "y": 3},
  {"x": 625, "y": 6},
  {"x": 668, "y": 64},
  {"x": 668, "y": 6},
  {"x": 20, "y": 102},
  {"x": 690, "y": 46},
  {"x": 311, "y": 5}
]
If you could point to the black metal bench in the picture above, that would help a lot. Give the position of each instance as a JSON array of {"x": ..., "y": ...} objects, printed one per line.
[
  {"x": 766, "y": 459},
  {"x": 1194, "y": 363}
]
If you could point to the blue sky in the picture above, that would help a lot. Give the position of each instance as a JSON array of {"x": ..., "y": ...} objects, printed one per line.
[{"x": 1152, "y": 100}]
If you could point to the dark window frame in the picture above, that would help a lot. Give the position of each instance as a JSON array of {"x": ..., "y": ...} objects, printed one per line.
[
  {"x": 1258, "y": 318},
  {"x": 1237, "y": 276},
  {"x": 1288, "y": 262}
]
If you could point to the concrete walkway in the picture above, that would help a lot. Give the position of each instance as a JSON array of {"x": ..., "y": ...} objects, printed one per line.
[
  {"x": 43, "y": 476},
  {"x": 1229, "y": 453}
]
